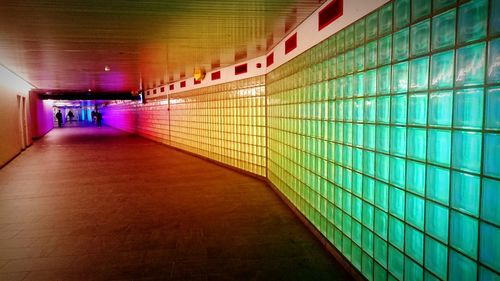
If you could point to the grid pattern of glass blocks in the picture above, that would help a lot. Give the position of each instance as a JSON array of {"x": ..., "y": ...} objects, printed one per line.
[
  {"x": 386, "y": 136},
  {"x": 225, "y": 123}
]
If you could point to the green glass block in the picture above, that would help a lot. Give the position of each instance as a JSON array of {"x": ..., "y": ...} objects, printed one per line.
[
  {"x": 494, "y": 61},
  {"x": 346, "y": 247},
  {"x": 358, "y": 159},
  {"x": 489, "y": 252},
  {"x": 384, "y": 50},
  {"x": 420, "y": 9},
  {"x": 369, "y": 109},
  {"x": 415, "y": 206},
  {"x": 382, "y": 167},
  {"x": 440, "y": 108},
  {"x": 436, "y": 221},
  {"x": 442, "y": 4},
  {"x": 436, "y": 257},
  {"x": 439, "y": 147},
  {"x": 380, "y": 251},
  {"x": 384, "y": 80},
  {"x": 369, "y": 136},
  {"x": 359, "y": 32},
  {"x": 417, "y": 109},
  {"x": 340, "y": 70},
  {"x": 420, "y": 38},
  {"x": 470, "y": 67},
  {"x": 356, "y": 235},
  {"x": 396, "y": 204},
  {"x": 367, "y": 266},
  {"x": 359, "y": 58},
  {"x": 398, "y": 109},
  {"x": 372, "y": 26},
  {"x": 381, "y": 196},
  {"x": 400, "y": 78},
  {"x": 429, "y": 277},
  {"x": 382, "y": 140},
  {"x": 401, "y": 13},
  {"x": 413, "y": 271},
  {"x": 381, "y": 223},
  {"x": 466, "y": 151},
  {"x": 371, "y": 54},
  {"x": 368, "y": 215},
  {"x": 472, "y": 21},
  {"x": 371, "y": 82},
  {"x": 340, "y": 41},
  {"x": 491, "y": 162},
  {"x": 349, "y": 37},
  {"x": 443, "y": 30},
  {"x": 359, "y": 84},
  {"x": 419, "y": 74},
  {"x": 490, "y": 209},
  {"x": 463, "y": 233},
  {"x": 368, "y": 163},
  {"x": 358, "y": 134},
  {"x": 368, "y": 188},
  {"x": 400, "y": 46},
  {"x": 442, "y": 65},
  {"x": 438, "y": 184},
  {"x": 414, "y": 243},
  {"x": 396, "y": 262},
  {"x": 487, "y": 275},
  {"x": 397, "y": 168},
  {"x": 468, "y": 108},
  {"x": 494, "y": 26},
  {"x": 461, "y": 267},
  {"x": 398, "y": 141},
  {"x": 465, "y": 193},
  {"x": 415, "y": 177},
  {"x": 385, "y": 19},
  {"x": 383, "y": 109},
  {"x": 349, "y": 62},
  {"x": 357, "y": 183},
  {"x": 417, "y": 141}
]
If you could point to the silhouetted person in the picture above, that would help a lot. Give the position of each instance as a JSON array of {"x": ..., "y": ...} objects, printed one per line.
[
  {"x": 94, "y": 115},
  {"x": 99, "y": 119},
  {"x": 70, "y": 116},
  {"x": 59, "y": 118}
]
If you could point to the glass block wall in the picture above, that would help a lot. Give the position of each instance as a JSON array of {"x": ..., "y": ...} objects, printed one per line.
[
  {"x": 386, "y": 136},
  {"x": 225, "y": 123}
]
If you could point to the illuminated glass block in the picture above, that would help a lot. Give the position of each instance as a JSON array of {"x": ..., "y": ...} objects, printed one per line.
[
  {"x": 420, "y": 38},
  {"x": 468, "y": 108},
  {"x": 417, "y": 141},
  {"x": 382, "y": 140},
  {"x": 340, "y": 41},
  {"x": 465, "y": 193},
  {"x": 491, "y": 164},
  {"x": 398, "y": 109},
  {"x": 467, "y": 151},
  {"x": 443, "y": 30},
  {"x": 489, "y": 252},
  {"x": 380, "y": 251},
  {"x": 381, "y": 195},
  {"x": 385, "y": 19},
  {"x": 396, "y": 207},
  {"x": 349, "y": 37},
  {"x": 359, "y": 58},
  {"x": 368, "y": 186},
  {"x": 414, "y": 244},
  {"x": 384, "y": 50},
  {"x": 371, "y": 82},
  {"x": 401, "y": 13},
  {"x": 383, "y": 109},
  {"x": 357, "y": 208},
  {"x": 420, "y": 9},
  {"x": 359, "y": 32},
  {"x": 415, "y": 207},
  {"x": 368, "y": 163},
  {"x": 494, "y": 17},
  {"x": 442, "y": 65},
  {"x": 400, "y": 46},
  {"x": 340, "y": 69},
  {"x": 348, "y": 89},
  {"x": 349, "y": 61},
  {"x": 490, "y": 209},
  {"x": 400, "y": 77},
  {"x": 398, "y": 141},
  {"x": 369, "y": 136},
  {"x": 382, "y": 167},
  {"x": 472, "y": 21},
  {"x": 441, "y": 4},
  {"x": 384, "y": 80},
  {"x": 429, "y": 277},
  {"x": 358, "y": 159},
  {"x": 417, "y": 109},
  {"x": 413, "y": 271},
  {"x": 436, "y": 221},
  {"x": 415, "y": 177},
  {"x": 438, "y": 184},
  {"x": 397, "y": 171},
  {"x": 439, "y": 147},
  {"x": 440, "y": 108},
  {"x": 371, "y": 55},
  {"x": 347, "y": 113},
  {"x": 488, "y": 275},
  {"x": 368, "y": 215},
  {"x": 436, "y": 257},
  {"x": 461, "y": 267},
  {"x": 493, "y": 61},
  {"x": 359, "y": 84},
  {"x": 463, "y": 233},
  {"x": 396, "y": 262},
  {"x": 470, "y": 67},
  {"x": 372, "y": 26}
]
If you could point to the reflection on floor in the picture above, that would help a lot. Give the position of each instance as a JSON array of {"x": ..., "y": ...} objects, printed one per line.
[{"x": 98, "y": 204}]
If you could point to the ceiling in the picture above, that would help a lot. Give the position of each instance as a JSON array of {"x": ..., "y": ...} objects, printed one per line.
[{"x": 66, "y": 44}]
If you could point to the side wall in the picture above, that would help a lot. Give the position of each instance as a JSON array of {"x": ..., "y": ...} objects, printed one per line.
[{"x": 42, "y": 116}]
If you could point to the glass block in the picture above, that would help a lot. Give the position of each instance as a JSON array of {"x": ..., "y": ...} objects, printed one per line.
[
  {"x": 465, "y": 191},
  {"x": 381, "y": 223},
  {"x": 463, "y": 233},
  {"x": 417, "y": 141},
  {"x": 398, "y": 109},
  {"x": 494, "y": 61},
  {"x": 490, "y": 209},
  {"x": 487, "y": 275},
  {"x": 396, "y": 233},
  {"x": 383, "y": 109},
  {"x": 349, "y": 37},
  {"x": 436, "y": 221},
  {"x": 413, "y": 271},
  {"x": 415, "y": 177},
  {"x": 382, "y": 140},
  {"x": 340, "y": 70},
  {"x": 440, "y": 108},
  {"x": 367, "y": 266},
  {"x": 441, "y": 4},
  {"x": 371, "y": 54},
  {"x": 398, "y": 141},
  {"x": 396, "y": 262},
  {"x": 415, "y": 206},
  {"x": 401, "y": 13},
  {"x": 400, "y": 77},
  {"x": 468, "y": 108},
  {"x": 420, "y": 9},
  {"x": 414, "y": 243},
  {"x": 368, "y": 187},
  {"x": 436, "y": 257},
  {"x": 442, "y": 65},
  {"x": 349, "y": 62},
  {"x": 396, "y": 204},
  {"x": 420, "y": 38},
  {"x": 369, "y": 135},
  {"x": 384, "y": 80},
  {"x": 397, "y": 168},
  {"x": 359, "y": 32},
  {"x": 470, "y": 67},
  {"x": 429, "y": 277},
  {"x": 379, "y": 274},
  {"x": 372, "y": 26},
  {"x": 494, "y": 17},
  {"x": 438, "y": 184},
  {"x": 491, "y": 164},
  {"x": 380, "y": 251},
  {"x": 359, "y": 84},
  {"x": 381, "y": 195},
  {"x": 443, "y": 30},
  {"x": 489, "y": 252},
  {"x": 368, "y": 215},
  {"x": 461, "y": 267},
  {"x": 472, "y": 21},
  {"x": 439, "y": 147},
  {"x": 359, "y": 58},
  {"x": 371, "y": 82},
  {"x": 419, "y": 74},
  {"x": 340, "y": 41},
  {"x": 385, "y": 19},
  {"x": 467, "y": 151},
  {"x": 382, "y": 167},
  {"x": 417, "y": 109},
  {"x": 400, "y": 46},
  {"x": 384, "y": 50}
]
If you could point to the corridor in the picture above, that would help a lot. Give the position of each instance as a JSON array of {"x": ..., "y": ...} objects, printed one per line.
[{"x": 98, "y": 204}]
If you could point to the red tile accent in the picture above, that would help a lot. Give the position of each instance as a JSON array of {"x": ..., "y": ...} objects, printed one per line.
[
  {"x": 240, "y": 69},
  {"x": 171, "y": 87},
  {"x": 291, "y": 43},
  {"x": 270, "y": 59},
  {"x": 216, "y": 75},
  {"x": 330, "y": 13},
  {"x": 183, "y": 84}
]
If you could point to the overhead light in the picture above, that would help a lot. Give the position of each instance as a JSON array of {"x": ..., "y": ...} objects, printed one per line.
[
  {"x": 106, "y": 68},
  {"x": 199, "y": 74},
  {"x": 90, "y": 90}
]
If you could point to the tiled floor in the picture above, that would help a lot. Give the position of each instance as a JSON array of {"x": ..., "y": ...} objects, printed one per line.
[{"x": 98, "y": 204}]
